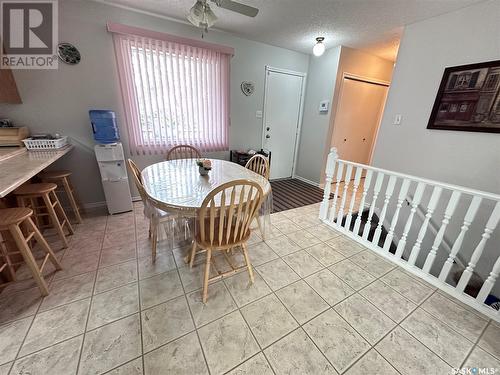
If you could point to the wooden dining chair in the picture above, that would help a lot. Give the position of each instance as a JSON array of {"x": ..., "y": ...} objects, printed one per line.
[
  {"x": 259, "y": 164},
  {"x": 155, "y": 215},
  {"x": 224, "y": 224},
  {"x": 183, "y": 152}
]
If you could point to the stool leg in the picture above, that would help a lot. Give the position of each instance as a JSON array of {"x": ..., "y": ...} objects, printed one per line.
[
  {"x": 55, "y": 220},
  {"x": 72, "y": 201},
  {"x": 28, "y": 258},
  {"x": 5, "y": 254},
  {"x": 77, "y": 198},
  {"x": 43, "y": 243},
  {"x": 33, "y": 205},
  {"x": 61, "y": 213},
  {"x": 20, "y": 202}
]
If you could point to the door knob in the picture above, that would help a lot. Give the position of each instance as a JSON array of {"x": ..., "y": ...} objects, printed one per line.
[
  {"x": 268, "y": 136},
  {"x": 268, "y": 128}
]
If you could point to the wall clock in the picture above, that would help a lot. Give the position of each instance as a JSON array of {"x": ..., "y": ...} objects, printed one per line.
[{"x": 68, "y": 53}]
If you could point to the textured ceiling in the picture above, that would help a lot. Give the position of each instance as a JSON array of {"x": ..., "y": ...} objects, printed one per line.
[{"x": 372, "y": 25}]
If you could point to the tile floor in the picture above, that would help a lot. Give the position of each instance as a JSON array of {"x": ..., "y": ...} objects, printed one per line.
[{"x": 321, "y": 304}]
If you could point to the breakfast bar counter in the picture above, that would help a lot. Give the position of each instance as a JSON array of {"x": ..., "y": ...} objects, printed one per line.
[
  {"x": 17, "y": 166},
  {"x": 8, "y": 152}
]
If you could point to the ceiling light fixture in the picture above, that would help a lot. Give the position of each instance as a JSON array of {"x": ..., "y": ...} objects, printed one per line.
[
  {"x": 319, "y": 47},
  {"x": 201, "y": 15}
]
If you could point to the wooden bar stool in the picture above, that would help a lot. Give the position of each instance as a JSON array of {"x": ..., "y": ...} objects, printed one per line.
[
  {"x": 61, "y": 178},
  {"x": 11, "y": 220},
  {"x": 7, "y": 263},
  {"x": 30, "y": 194}
]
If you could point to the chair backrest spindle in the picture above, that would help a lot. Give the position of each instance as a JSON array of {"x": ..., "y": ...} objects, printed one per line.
[
  {"x": 226, "y": 213},
  {"x": 259, "y": 164}
]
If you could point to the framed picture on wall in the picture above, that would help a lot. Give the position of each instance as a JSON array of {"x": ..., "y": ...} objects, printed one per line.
[{"x": 468, "y": 99}]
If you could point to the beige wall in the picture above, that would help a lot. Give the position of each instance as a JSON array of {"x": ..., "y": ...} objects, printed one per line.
[
  {"x": 324, "y": 80},
  {"x": 320, "y": 83},
  {"x": 359, "y": 63}
]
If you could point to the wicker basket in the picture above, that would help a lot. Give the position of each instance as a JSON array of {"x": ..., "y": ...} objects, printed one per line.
[{"x": 45, "y": 144}]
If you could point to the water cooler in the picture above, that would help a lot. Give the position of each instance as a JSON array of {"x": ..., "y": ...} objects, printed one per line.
[{"x": 111, "y": 161}]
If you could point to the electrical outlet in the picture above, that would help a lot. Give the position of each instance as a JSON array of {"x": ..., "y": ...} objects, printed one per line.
[{"x": 397, "y": 120}]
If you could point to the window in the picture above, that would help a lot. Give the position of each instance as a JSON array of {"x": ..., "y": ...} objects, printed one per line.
[
  {"x": 444, "y": 107},
  {"x": 491, "y": 82},
  {"x": 175, "y": 92},
  {"x": 463, "y": 80}
]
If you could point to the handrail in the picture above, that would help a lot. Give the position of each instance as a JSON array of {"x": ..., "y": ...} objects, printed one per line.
[
  {"x": 425, "y": 244},
  {"x": 482, "y": 194}
]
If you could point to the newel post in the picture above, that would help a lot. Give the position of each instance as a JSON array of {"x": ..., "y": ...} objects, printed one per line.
[{"x": 330, "y": 169}]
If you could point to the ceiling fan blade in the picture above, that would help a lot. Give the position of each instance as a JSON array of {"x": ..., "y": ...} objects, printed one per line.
[{"x": 237, "y": 7}]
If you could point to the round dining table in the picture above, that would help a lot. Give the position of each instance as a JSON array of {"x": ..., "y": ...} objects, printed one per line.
[{"x": 178, "y": 185}]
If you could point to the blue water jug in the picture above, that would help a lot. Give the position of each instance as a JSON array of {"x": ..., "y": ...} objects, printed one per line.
[{"x": 104, "y": 126}]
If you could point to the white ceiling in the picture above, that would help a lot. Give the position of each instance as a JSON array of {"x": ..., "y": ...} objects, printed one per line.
[{"x": 372, "y": 25}]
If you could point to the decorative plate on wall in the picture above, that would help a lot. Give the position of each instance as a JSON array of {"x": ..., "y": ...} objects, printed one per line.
[
  {"x": 68, "y": 53},
  {"x": 247, "y": 88}
]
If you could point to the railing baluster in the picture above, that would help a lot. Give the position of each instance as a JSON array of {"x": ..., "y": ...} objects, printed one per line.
[
  {"x": 469, "y": 217},
  {"x": 338, "y": 178},
  {"x": 403, "y": 192},
  {"x": 345, "y": 202},
  {"x": 448, "y": 213},
  {"x": 388, "y": 194},
  {"x": 347, "y": 182},
  {"x": 478, "y": 251},
  {"x": 376, "y": 191},
  {"x": 489, "y": 283},
  {"x": 357, "y": 178},
  {"x": 366, "y": 186},
  {"x": 431, "y": 206},
  {"x": 330, "y": 170},
  {"x": 414, "y": 204}
]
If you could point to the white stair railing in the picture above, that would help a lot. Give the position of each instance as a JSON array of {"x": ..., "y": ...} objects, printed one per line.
[{"x": 428, "y": 258}]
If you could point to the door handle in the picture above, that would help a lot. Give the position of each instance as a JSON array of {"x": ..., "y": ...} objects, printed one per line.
[
  {"x": 268, "y": 136},
  {"x": 268, "y": 128}
]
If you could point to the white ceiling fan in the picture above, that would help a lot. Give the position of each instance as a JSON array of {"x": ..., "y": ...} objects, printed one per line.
[{"x": 201, "y": 15}]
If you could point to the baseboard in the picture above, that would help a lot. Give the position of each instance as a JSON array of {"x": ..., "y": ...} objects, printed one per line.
[
  {"x": 94, "y": 205},
  {"x": 306, "y": 180}
]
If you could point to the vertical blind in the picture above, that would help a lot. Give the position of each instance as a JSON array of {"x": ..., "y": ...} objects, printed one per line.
[{"x": 173, "y": 93}]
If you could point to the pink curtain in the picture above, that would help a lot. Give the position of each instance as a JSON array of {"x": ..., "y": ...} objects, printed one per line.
[{"x": 173, "y": 93}]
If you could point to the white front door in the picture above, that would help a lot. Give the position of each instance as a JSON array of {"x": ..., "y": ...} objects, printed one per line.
[{"x": 282, "y": 110}]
